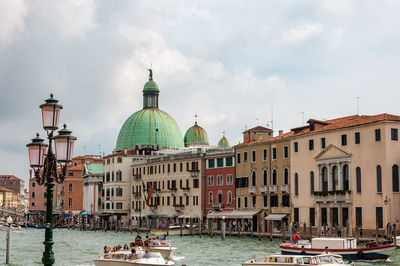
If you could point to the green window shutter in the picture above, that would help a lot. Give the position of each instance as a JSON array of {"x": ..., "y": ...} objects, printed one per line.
[
  {"x": 229, "y": 161},
  {"x": 220, "y": 162},
  {"x": 211, "y": 163}
]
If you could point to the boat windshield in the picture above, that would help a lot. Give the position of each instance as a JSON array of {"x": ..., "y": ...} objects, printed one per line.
[{"x": 330, "y": 259}]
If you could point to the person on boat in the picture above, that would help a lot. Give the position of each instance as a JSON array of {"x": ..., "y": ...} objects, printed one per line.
[
  {"x": 119, "y": 248},
  {"x": 114, "y": 249},
  {"x": 164, "y": 237},
  {"x": 296, "y": 237},
  {"x": 326, "y": 250},
  {"x": 106, "y": 250},
  {"x": 147, "y": 253},
  {"x": 134, "y": 254},
  {"x": 126, "y": 248}
]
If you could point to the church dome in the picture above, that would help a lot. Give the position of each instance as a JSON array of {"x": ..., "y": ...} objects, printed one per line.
[
  {"x": 150, "y": 126},
  {"x": 223, "y": 143},
  {"x": 195, "y": 135}
]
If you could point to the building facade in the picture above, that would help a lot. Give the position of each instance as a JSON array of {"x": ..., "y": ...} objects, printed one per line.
[
  {"x": 92, "y": 187},
  {"x": 263, "y": 178},
  {"x": 345, "y": 172}
]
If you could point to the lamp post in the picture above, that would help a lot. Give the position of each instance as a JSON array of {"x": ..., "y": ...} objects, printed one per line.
[{"x": 45, "y": 164}]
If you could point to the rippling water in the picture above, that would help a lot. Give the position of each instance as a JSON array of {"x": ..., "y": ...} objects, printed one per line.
[{"x": 80, "y": 248}]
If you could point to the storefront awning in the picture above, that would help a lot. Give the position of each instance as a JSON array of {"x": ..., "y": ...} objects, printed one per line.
[
  {"x": 275, "y": 216},
  {"x": 234, "y": 214}
]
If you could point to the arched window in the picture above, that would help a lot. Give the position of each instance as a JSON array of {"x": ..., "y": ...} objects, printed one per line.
[
  {"x": 358, "y": 180},
  {"x": 70, "y": 187},
  {"x": 265, "y": 177},
  {"x": 286, "y": 176},
  {"x": 253, "y": 178},
  {"x": 311, "y": 182},
  {"x": 324, "y": 179},
  {"x": 119, "y": 160},
  {"x": 346, "y": 181},
  {"x": 274, "y": 177},
  {"x": 119, "y": 175},
  {"x": 296, "y": 184},
  {"x": 335, "y": 178},
  {"x": 378, "y": 179},
  {"x": 210, "y": 198},
  {"x": 229, "y": 196},
  {"x": 219, "y": 195},
  {"x": 395, "y": 178}
]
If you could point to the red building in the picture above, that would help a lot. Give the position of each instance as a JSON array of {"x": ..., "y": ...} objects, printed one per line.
[{"x": 220, "y": 180}]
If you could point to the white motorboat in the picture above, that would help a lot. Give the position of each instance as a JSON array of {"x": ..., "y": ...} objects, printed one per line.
[
  {"x": 163, "y": 247},
  {"x": 14, "y": 227},
  {"x": 175, "y": 230},
  {"x": 325, "y": 259},
  {"x": 124, "y": 258},
  {"x": 345, "y": 247}
]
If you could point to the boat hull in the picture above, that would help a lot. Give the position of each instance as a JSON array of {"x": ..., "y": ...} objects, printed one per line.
[
  {"x": 140, "y": 262},
  {"x": 165, "y": 251},
  {"x": 173, "y": 232},
  {"x": 371, "y": 253}
]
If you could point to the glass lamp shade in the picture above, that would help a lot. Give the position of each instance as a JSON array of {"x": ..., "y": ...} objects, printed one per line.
[
  {"x": 64, "y": 143},
  {"x": 50, "y": 113},
  {"x": 37, "y": 152}
]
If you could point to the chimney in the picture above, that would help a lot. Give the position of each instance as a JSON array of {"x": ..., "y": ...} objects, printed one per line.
[
  {"x": 30, "y": 173},
  {"x": 125, "y": 151},
  {"x": 280, "y": 134}
]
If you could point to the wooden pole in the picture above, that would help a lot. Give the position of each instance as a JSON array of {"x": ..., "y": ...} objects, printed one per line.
[
  {"x": 270, "y": 231},
  {"x": 283, "y": 231},
  {"x": 181, "y": 227},
  {"x": 376, "y": 233},
  {"x": 200, "y": 225}
]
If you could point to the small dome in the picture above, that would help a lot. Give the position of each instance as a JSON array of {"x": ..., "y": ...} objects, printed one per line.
[
  {"x": 223, "y": 143},
  {"x": 195, "y": 135},
  {"x": 151, "y": 85}
]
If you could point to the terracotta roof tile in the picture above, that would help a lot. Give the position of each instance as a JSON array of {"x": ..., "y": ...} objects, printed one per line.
[
  {"x": 78, "y": 167},
  {"x": 4, "y": 189},
  {"x": 10, "y": 177}
]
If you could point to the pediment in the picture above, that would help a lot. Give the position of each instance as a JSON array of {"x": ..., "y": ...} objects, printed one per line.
[{"x": 332, "y": 152}]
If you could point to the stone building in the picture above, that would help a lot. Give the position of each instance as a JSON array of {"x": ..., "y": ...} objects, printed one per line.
[
  {"x": 345, "y": 172},
  {"x": 17, "y": 186},
  {"x": 92, "y": 187}
]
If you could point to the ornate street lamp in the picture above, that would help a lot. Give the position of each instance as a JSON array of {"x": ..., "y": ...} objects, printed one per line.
[{"x": 45, "y": 164}]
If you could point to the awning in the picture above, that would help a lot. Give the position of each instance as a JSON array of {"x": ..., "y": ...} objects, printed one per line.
[
  {"x": 159, "y": 215},
  {"x": 275, "y": 216},
  {"x": 233, "y": 214}
]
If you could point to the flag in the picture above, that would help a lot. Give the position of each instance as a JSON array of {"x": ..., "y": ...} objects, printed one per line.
[
  {"x": 144, "y": 190},
  {"x": 149, "y": 192}
]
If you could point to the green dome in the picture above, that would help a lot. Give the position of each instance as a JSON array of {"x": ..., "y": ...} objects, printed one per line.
[
  {"x": 148, "y": 127},
  {"x": 195, "y": 135},
  {"x": 223, "y": 143},
  {"x": 151, "y": 85}
]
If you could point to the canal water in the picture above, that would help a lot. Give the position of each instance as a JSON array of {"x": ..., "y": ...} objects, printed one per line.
[{"x": 80, "y": 248}]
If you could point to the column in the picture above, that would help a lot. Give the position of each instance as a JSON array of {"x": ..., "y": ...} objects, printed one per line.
[
  {"x": 330, "y": 178},
  {"x": 319, "y": 219},
  {"x": 340, "y": 178},
  {"x": 319, "y": 179}
]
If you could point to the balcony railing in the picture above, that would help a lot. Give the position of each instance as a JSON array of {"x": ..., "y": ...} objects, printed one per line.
[
  {"x": 218, "y": 205},
  {"x": 173, "y": 190},
  {"x": 194, "y": 173},
  {"x": 137, "y": 195},
  {"x": 153, "y": 207},
  {"x": 332, "y": 196},
  {"x": 178, "y": 207},
  {"x": 186, "y": 190},
  {"x": 137, "y": 176},
  {"x": 264, "y": 189},
  {"x": 272, "y": 189},
  {"x": 137, "y": 210},
  {"x": 285, "y": 188},
  {"x": 157, "y": 191},
  {"x": 252, "y": 190}
]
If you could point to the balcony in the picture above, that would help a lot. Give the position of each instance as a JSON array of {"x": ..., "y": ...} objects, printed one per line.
[
  {"x": 137, "y": 210},
  {"x": 137, "y": 195},
  {"x": 137, "y": 176},
  {"x": 285, "y": 188},
  {"x": 332, "y": 196},
  {"x": 272, "y": 189},
  {"x": 173, "y": 190},
  {"x": 264, "y": 189},
  {"x": 252, "y": 190},
  {"x": 153, "y": 207},
  {"x": 157, "y": 191},
  {"x": 218, "y": 205},
  {"x": 194, "y": 173},
  {"x": 179, "y": 207},
  {"x": 186, "y": 190}
]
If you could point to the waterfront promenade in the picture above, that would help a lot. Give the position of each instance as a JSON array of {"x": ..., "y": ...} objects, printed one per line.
[{"x": 80, "y": 248}]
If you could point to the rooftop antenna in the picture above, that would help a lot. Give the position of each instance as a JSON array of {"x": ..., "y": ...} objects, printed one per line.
[
  {"x": 272, "y": 118},
  {"x": 358, "y": 105},
  {"x": 303, "y": 117},
  {"x": 99, "y": 148}
]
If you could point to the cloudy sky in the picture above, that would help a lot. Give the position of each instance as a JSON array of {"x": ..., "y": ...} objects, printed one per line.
[{"x": 231, "y": 62}]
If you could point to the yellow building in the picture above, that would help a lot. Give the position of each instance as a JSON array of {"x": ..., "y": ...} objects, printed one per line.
[
  {"x": 263, "y": 178},
  {"x": 6, "y": 198},
  {"x": 177, "y": 182}
]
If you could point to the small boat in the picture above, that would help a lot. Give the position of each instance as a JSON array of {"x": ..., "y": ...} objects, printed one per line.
[
  {"x": 163, "y": 247},
  {"x": 14, "y": 227},
  {"x": 398, "y": 241},
  {"x": 40, "y": 226},
  {"x": 325, "y": 259},
  {"x": 124, "y": 258},
  {"x": 175, "y": 230},
  {"x": 345, "y": 247}
]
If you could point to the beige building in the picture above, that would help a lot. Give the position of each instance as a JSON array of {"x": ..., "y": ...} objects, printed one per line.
[
  {"x": 263, "y": 178},
  {"x": 177, "y": 181},
  {"x": 345, "y": 171}
]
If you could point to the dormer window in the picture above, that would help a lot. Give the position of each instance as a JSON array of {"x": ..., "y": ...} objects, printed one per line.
[{"x": 312, "y": 127}]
